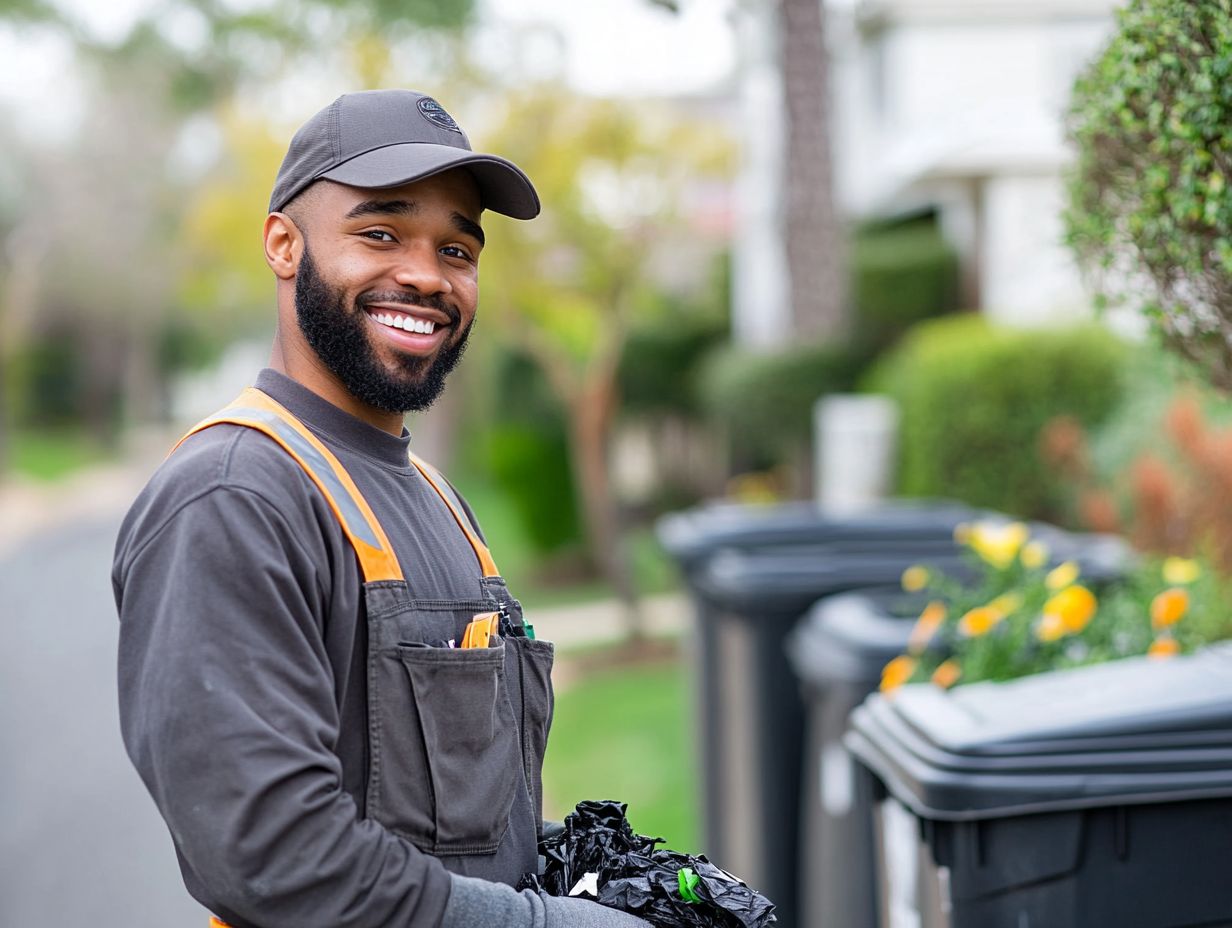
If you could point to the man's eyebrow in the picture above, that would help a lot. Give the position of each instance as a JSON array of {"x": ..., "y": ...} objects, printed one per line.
[
  {"x": 382, "y": 208},
  {"x": 378, "y": 207},
  {"x": 470, "y": 227}
]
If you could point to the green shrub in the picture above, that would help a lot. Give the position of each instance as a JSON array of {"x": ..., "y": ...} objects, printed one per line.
[
  {"x": 974, "y": 399},
  {"x": 901, "y": 274},
  {"x": 532, "y": 466},
  {"x": 528, "y": 456},
  {"x": 765, "y": 401},
  {"x": 46, "y": 381},
  {"x": 1150, "y": 198},
  {"x": 658, "y": 368}
]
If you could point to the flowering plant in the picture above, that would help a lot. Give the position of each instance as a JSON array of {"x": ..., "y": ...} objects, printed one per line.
[{"x": 1022, "y": 615}]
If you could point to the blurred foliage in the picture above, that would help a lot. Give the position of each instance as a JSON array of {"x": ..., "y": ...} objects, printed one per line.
[
  {"x": 974, "y": 400},
  {"x": 1150, "y": 205},
  {"x": 567, "y": 289},
  {"x": 527, "y": 453},
  {"x": 225, "y": 283},
  {"x": 668, "y": 344},
  {"x": 134, "y": 241},
  {"x": 1019, "y": 617},
  {"x": 569, "y": 285},
  {"x": 765, "y": 402},
  {"x": 1173, "y": 497},
  {"x": 902, "y": 273}
]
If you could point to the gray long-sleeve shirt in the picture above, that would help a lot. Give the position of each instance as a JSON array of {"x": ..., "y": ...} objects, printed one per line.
[{"x": 242, "y": 670}]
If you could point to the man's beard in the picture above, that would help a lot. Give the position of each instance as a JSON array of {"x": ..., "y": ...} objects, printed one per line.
[{"x": 338, "y": 334}]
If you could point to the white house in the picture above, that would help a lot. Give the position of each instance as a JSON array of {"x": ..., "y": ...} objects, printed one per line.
[
  {"x": 955, "y": 105},
  {"x": 960, "y": 105}
]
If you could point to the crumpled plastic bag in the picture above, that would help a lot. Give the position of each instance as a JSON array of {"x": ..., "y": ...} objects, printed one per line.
[{"x": 663, "y": 887}]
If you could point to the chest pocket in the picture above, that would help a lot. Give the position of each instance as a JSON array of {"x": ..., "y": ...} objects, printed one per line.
[{"x": 456, "y": 736}]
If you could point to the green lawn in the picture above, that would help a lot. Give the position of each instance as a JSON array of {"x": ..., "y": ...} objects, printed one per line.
[
  {"x": 47, "y": 454},
  {"x": 624, "y": 733}
]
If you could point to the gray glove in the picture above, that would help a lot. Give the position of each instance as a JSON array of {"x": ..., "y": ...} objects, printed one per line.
[{"x": 474, "y": 903}]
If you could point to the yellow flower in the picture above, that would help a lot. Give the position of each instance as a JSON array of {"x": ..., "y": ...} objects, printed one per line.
[
  {"x": 1169, "y": 607},
  {"x": 1181, "y": 570},
  {"x": 1075, "y": 605},
  {"x": 947, "y": 674},
  {"x": 1061, "y": 576},
  {"x": 915, "y": 578},
  {"x": 980, "y": 621},
  {"x": 1034, "y": 555},
  {"x": 1006, "y": 603},
  {"x": 998, "y": 544},
  {"x": 1051, "y": 627},
  {"x": 897, "y": 672},
  {"x": 925, "y": 627},
  {"x": 1163, "y": 646}
]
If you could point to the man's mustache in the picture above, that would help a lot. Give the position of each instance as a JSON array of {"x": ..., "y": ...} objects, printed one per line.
[{"x": 410, "y": 298}]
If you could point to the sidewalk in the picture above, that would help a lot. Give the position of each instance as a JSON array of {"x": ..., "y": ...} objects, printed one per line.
[{"x": 602, "y": 622}]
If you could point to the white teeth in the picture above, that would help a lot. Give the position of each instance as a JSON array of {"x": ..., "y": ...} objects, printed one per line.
[{"x": 406, "y": 323}]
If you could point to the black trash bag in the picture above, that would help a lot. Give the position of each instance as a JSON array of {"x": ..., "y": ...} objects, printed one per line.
[{"x": 663, "y": 887}]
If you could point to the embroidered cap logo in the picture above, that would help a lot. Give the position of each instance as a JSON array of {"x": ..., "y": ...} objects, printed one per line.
[{"x": 436, "y": 114}]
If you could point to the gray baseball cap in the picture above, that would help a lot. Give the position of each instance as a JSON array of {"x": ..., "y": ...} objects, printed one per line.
[{"x": 386, "y": 138}]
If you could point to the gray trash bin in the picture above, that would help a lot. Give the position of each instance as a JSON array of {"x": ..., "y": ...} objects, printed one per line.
[
  {"x": 1100, "y": 796},
  {"x": 838, "y": 652},
  {"x": 753, "y": 721}
]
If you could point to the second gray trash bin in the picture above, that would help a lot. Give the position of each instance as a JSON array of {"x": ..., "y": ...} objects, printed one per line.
[{"x": 838, "y": 652}]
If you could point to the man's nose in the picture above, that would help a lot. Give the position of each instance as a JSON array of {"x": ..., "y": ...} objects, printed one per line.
[{"x": 420, "y": 269}]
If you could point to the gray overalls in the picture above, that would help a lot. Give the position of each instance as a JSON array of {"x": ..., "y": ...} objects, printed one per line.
[{"x": 456, "y": 736}]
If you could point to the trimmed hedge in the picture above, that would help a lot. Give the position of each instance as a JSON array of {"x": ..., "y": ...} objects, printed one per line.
[
  {"x": 765, "y": 401},
  {"x": 974, "y": 399},
  {"x": 901, "y": 275}
]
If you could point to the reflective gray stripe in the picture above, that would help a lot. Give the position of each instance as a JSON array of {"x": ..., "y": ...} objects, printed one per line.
[
  {"x": 352, "y": 517},
  {"x": 445, "y": 490}
]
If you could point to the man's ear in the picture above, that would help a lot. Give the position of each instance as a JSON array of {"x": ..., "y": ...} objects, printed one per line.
[{"x": 284, "y": 244}]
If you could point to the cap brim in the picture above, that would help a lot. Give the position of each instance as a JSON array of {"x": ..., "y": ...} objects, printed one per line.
[{"x": 503, "y": 187}]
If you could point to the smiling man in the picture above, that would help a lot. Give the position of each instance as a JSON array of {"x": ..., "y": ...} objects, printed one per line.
[{"x": 324, "y": 683}]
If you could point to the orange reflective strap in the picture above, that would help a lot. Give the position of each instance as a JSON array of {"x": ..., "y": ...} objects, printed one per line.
[
  {"x": 257, "y": 410},
  {"x": 438, "y": 483},
  {"x": 216, "y": 922}
]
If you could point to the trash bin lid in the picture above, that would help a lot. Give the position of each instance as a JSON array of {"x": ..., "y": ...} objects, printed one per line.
[
  {"x": 693, "y": 535},
  {"x": 785, "y": 582},
  {"x": 1101, "y": 557},
  {"x": 851, "y": 636},
  {"x": 1127, "y": 732}
]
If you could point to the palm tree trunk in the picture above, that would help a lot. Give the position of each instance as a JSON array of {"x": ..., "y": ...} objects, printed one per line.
[{"x": 813, "y": 229}]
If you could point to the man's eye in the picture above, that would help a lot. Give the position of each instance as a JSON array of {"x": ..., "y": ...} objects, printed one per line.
[
  {"x": 454, "y": 251},
  {"x": 376, "y": 235}
]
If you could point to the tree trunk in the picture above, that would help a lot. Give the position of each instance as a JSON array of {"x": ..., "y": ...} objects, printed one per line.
[
  {"x": 814, "y": 239},
  {"x": 590, "y": 414}
]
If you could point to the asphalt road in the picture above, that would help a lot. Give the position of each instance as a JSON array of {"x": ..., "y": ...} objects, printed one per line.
[{"x": 81, "y": 842}]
